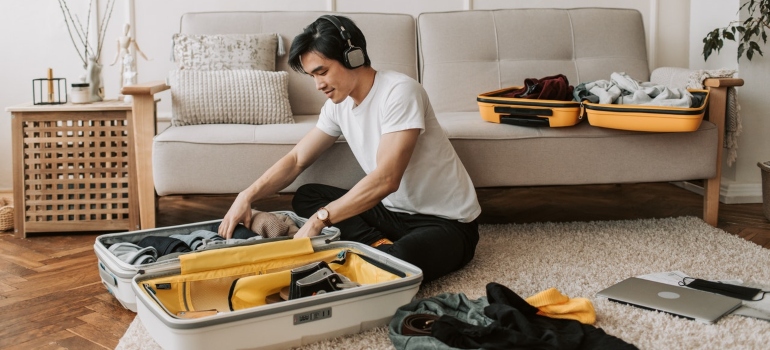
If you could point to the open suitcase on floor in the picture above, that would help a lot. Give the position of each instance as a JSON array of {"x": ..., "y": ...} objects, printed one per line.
[
  {"x": 219, "y": 299},
  {"x": 116, "y": 274}
]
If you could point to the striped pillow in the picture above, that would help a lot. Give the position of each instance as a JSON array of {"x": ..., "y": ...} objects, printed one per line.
[{"x": 229, "y": 97}]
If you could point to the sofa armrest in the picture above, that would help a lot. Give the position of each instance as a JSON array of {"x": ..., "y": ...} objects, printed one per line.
[
  {"x": 723, "y": 82},
  {"x": 143, "y": 124},
  {"x": 149, "y": 88}
]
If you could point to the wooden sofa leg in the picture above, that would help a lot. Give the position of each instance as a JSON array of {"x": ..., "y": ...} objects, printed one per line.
[
  {"x": 711, "y": 201},
  {"x": 143, "y": 125},
  {"x": 717, "y": 107}
]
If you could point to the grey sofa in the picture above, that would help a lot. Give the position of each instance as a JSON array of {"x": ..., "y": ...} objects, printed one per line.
[{"x": 456, "y": 56}]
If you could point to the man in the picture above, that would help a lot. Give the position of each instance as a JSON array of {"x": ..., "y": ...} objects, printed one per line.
[{"x": 416, "y": 201}]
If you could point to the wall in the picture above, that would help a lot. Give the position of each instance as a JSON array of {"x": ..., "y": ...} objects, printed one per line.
[
  {"x": 39, "y": 39},
  {"x": 741, "y": 182},
  {"x": 705, "y": 16},
  {"x": 754, "y": 143}
]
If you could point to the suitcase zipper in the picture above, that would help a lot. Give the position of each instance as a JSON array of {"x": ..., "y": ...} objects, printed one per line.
[
  {"x": 670, "y": 110},
  {"x": 528, "y": 103}
]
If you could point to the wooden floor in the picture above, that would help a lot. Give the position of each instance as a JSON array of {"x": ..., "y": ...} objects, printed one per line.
[{"x": 51, "y": 296}]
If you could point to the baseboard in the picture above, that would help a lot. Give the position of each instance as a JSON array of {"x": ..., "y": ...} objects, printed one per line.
[{"x": 730, "y": 193}]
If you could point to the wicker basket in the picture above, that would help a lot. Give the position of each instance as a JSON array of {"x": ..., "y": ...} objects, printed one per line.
[
  {"x": 6, "y": 214},
  {"x": 765, "y": 188}
]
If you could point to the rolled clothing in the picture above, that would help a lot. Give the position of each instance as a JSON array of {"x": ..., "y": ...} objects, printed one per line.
[
  {"x": 195, "y": 239},
  {"x": 164, "y": 245},
  {"x": 134, "y": 254}
]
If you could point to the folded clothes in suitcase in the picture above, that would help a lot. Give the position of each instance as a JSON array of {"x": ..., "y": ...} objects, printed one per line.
[
  {"x": 222, "y": 298},
  {"x": 496, "y": 108},
  {"x": 116, "y": 274},
  {"x": 647, "y": 117}
]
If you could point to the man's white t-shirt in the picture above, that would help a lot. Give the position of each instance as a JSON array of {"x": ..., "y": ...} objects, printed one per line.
[{"x": 435, "y": 181}]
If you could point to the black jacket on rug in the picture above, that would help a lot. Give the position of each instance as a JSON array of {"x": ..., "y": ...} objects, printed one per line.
[{"x": 516, "y": 325}]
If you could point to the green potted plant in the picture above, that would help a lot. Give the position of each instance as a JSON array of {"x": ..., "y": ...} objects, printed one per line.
[{"x": 749, "y": 32}]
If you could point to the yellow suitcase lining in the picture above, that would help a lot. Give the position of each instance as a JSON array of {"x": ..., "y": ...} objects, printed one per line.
[{"x": 206, "y": 279}]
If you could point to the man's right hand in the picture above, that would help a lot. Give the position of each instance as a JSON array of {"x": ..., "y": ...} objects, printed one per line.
[{"x": 240, "y": 212}]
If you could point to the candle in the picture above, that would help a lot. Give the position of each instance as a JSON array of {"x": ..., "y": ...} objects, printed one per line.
[{"x": 50, "y": 85}]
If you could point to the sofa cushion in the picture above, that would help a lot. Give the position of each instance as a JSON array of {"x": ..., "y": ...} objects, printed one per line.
[
  {"x": 229, "y": 97},
  {"x": 493, "y": 49},
  {"x": 391, "y": 42},
  {"x": 194, "y": 159},
  {"x": 274, "y": 134},
  {"x": 507, "y": 155},
  {"x": 226, "y": 158},
  {"x": 225, "y": 51}
]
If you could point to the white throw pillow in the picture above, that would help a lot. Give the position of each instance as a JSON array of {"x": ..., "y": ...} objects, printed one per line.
[
  {"x": 229, "y": 97},
  {"x": 225, "y": 51}
]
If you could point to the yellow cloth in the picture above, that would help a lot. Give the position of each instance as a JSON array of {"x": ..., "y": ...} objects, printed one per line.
[{"x": 552, "y": 303}]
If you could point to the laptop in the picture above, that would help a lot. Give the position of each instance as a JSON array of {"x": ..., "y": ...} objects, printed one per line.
[{"x": 679, "y": 301}]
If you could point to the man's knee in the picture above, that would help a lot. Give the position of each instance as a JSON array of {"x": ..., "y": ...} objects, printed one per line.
[
  {"x": 304, "y": 199},
  {"x": 437, "y": 252},
  {"x": 310, "y": 197}
]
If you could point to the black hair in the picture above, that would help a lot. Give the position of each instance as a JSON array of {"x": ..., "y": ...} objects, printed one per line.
[{"x": 322, "y": 36}]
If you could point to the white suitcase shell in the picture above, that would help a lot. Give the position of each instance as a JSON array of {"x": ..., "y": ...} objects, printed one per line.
[
  {"x": 116, "y": 274},
  {"x": 285, "y": 324}
]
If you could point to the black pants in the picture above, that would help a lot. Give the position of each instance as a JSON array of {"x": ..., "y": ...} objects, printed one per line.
[{"x": 437, "y": 246}]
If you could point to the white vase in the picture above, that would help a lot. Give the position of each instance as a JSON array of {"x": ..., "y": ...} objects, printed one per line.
[{"x": 94, "y": 79}]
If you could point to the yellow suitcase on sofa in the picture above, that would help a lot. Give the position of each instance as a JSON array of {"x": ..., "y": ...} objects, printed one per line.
[
  {"x": 527, "y": 112},
  {"x": 647, "y": 118}
]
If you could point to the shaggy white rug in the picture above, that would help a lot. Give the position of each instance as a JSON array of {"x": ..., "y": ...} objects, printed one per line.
[{"x": 582, "y": 258}]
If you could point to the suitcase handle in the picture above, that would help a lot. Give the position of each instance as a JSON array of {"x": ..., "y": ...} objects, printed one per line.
[
  {"x": 524, "y": 120},
  {"x": 539, "y": 112}
]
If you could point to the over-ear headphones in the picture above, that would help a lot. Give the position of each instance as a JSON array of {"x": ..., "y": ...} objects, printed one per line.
[{"x": 354, "y": 56}]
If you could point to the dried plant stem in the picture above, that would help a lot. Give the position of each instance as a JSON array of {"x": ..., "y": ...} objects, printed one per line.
[
  {"x": 103, "y": 29},
  {"x": 62, "y": 5},
  {"x": 83, "y": 40},
  {"x": 83, "y": 32},
  {"x": 86, "y": 44},
  {"x": 88, "y": 25}
]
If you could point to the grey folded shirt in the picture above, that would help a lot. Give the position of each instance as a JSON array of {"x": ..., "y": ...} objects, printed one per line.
[{"x": 134, "y": 254}]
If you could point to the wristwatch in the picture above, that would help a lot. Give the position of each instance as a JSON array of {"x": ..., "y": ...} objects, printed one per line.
[{"x": 323, "y": 215}]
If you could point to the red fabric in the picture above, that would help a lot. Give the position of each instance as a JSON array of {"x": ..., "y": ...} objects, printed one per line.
[{"x": 555, "y": 87}]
